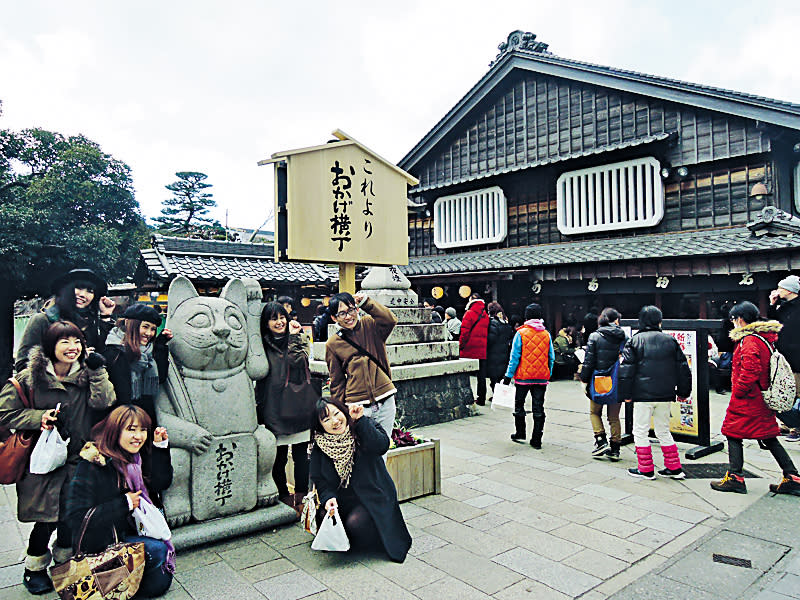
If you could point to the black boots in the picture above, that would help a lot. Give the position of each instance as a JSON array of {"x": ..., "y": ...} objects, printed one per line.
[
  {"x": 536, "y": 436},
  {"x": 519, "y": 434},
  {"x": 613, "y": 451},
  {"x": 600, "y": 445}
]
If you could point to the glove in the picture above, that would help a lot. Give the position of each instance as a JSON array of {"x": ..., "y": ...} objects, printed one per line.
[
  {"x": 94, "y": 361},
  {"x": 506, "y": 380}
]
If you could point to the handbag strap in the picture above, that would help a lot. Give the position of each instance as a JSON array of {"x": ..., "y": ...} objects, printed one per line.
[
  {"x": 85, "y": 525},
  {"x": 287, "y": 369},
  {"x": 364, "y": 351},
  {"x": 22, "y": 396}
]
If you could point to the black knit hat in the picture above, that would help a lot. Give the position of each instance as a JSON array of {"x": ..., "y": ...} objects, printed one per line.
[
  {"x": 87, "y": 275},
  {"x": 142, "y": 312}
]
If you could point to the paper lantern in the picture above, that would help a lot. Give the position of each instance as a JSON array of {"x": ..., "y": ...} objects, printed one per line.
[
  {"x": 437, "y": 292},
  {"x": 464, "y": 291}
]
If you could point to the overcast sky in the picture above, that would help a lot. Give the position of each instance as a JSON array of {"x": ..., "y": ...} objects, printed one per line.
[{"x": 170, "y": 86}]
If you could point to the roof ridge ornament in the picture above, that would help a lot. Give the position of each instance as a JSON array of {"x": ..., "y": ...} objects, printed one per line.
[
  {"x": 520, "y": 40},
  {"x": 774, "y": 221}
]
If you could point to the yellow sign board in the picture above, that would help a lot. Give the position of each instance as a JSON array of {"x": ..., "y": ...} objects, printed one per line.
[{"x": 343, "y": 204}]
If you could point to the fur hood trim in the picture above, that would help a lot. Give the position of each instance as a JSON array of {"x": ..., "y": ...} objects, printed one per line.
[
  {"x": 91, "y": 453},
  {"x": 755, "y": 327},
  {"x": 38, "y": 363}
]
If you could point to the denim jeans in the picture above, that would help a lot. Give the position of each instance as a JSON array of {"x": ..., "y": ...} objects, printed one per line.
[
  {"x": 155, "y": 581},
  {"x": 383, "y": 413}
]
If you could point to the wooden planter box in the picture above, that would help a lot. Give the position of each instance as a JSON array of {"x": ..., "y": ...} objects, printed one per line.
[{"x": 416, "y": 470}]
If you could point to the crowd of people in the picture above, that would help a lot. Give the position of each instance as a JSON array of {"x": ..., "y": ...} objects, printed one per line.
[{"x": 93, "y": 371}]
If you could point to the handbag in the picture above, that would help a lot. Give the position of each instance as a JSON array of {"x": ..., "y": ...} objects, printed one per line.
[
  {"x": 115, "y": 573},
  {"x": 309, "y": 515},
  {"x": 331, "y": 536},
  {"x": 16, "y": 447},
  {"x": 150, "y": 521},
  {"x": 50, "y": 452},
  {"x": 604, "y": 385},
  {"x": 503, "y": 395},
  {"x": 298, "y": 400}
]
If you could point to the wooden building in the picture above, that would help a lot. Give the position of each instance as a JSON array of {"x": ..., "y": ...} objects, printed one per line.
[{"x": 582, "y": 185}]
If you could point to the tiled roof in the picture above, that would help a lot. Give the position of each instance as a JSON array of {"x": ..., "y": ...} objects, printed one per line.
[
  {"x": 203, "y": 260},
  {"x": 648, "y": 139},
  {"x": 729, "y": 241}
]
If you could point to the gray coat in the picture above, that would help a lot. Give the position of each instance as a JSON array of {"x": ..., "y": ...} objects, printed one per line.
[{"x": 80, "y": 391}]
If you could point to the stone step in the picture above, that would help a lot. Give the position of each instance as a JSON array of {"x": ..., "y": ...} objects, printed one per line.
[
  {"x": 415, "y": 371},
  {"x": 405, "y": 334},
  {"x": 405, "y": 316},
  {"x": 408, "y": 354}
]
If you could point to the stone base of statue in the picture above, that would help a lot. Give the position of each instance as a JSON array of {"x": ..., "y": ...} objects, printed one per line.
[{"x": 432, "y": 382}]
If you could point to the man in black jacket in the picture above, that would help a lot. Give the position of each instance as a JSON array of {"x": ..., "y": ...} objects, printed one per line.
[
  {"x": 653, "y": 370},
  {"x": 785, "y": 308}
]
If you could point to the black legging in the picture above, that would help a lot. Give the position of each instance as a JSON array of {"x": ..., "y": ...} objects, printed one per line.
[
  {"x": 40, "y": 537},
  {"x": 736, "y": 455},
  {"x": 300, "y": 460}
]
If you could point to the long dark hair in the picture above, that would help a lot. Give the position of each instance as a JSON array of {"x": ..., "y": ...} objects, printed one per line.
[
  {"x": 270, "y": 311},
  {"x": 65, "y": 302}
]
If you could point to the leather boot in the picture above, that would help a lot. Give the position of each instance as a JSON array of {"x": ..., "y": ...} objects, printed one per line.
[
  {"x": 613, "y": 451},
  {"x": 538, "y": 429},
  {"x": 519, "y": 435}
]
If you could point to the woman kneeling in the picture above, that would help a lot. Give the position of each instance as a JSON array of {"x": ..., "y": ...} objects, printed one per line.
[
  {"x": 348, "y": 469},
  {"x": 111, "y": 478}
]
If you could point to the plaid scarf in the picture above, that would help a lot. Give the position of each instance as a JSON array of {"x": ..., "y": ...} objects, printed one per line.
[{"x": 341, "y": 450}]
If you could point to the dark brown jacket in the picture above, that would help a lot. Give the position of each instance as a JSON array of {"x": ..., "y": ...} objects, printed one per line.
[{"x": 354, "y": 376}]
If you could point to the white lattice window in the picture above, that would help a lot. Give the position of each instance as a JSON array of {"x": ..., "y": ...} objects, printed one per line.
[
  {"x": 472, "y": 218},
  {"x": 617, "y": 196},
  {"x": 796, "y": 186}
]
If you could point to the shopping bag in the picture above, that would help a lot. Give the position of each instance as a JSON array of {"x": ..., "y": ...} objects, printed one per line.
[
  {"x": 49, "y": 453},
  {"x": 309, "y": 514},
  {"x": 503, "y": 395},
  {"x": 150, "y": 522},
  {"x": 331, "y": 535}
]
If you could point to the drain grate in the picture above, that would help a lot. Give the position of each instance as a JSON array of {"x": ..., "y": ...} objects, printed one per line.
[
  {"x": 733, "y": 560},
  {"x": 710, "y": 471}
]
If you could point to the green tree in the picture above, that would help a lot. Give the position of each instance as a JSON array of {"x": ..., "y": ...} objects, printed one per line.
[
  {"x": 190, "y": 201},
  {"x": 64, "y": 203}
]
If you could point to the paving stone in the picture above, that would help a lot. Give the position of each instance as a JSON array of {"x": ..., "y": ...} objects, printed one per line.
[
  {"x": 483, "y": 501},
  {"x": 247, "y": 556},
  {"x": 655, "y": 588},
  {"x": 458, "y": 492},
  {"x": 461, "y": 479},
  {"x": 411, "y": 574},
  {"x": 623, "y": 549},
  {"x": 355, "y": 580},
  {"x": 176, "y": 592},
  {"x": 623, "y": 512},
  {"x": 631, "y": 574},
  {"x": 669, "y": 525},
  {"x": 770, "y": 595},
  {"x": 652, "y": 538},
  {"x": 265, "y": 570},
  {"x": 666, "y": 509},
  {"x": 10, "y": 576},
  {"x": 566, "y": 511},
  {"x": 682, "y": 541},
  {"x": 286, "y": 537},
  {"x": 536, "y": 541},
  {"x": 427, "y": 520},
  {"x": 549, "y": 572},
  {"x": 788, "y": 585},
  {"x": 504, "y": 491},
  {"x": 453, "y": 509},
  {"x": 217, "y": 580},
  {"x": 314, "y": 562},
  {"x": 602, "y": 491},
  {"x": 486, "y": 522},
  {"x": 467, "y": 538},
  {"x": 473, "y": 569},
  {"x": 528, "y": 589},
  {"x": 522, "y": 513},
  {"x": 425, "y": 543},
  {"x": 568, "y": 471},
  {"x": 596, "y": 563},
  {"x": 616, "y": 527},
  {"x": 11, "y": 557},
  {"x": 793, "y": 562},
  {"x": 449, "y": 587},
  {"x": 411, "y": 510},
  {"x": 290, "y": 586}
]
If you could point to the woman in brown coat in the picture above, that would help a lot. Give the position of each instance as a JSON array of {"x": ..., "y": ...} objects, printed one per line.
[{"x": 56, "y": 374}]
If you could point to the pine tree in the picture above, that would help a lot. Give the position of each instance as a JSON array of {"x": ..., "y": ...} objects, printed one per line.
[{"x": 189, "y": 204}]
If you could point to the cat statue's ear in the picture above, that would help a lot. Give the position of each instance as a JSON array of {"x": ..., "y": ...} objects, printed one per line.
[
  {"x": 235, "y": 292},
  {"x": 256, "y": 364},
  {"x": 180, "y": 290}
]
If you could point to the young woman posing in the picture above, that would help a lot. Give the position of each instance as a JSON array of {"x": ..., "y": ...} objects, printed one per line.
[
  {"x": 56, "y": 374},
  {"x": 119, "y": 468},
  {"x": 348, "y": 469}
]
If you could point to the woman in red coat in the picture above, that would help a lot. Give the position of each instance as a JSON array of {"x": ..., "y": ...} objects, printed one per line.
[
  {"x": 473, "y": 340},
  {"x": 747, "y": 416}
]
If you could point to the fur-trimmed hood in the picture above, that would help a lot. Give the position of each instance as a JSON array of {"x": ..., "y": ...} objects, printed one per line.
[
  {"x": 38, "y": 364},
  {"x": 91, "y": 453},
  {"x": 760, "y": 327}
]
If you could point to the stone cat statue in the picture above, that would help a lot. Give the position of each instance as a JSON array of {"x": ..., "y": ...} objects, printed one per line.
[{"x": 221, "y": 457}]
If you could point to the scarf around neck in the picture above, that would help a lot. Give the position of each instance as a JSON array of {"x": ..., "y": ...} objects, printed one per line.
[
  {"x": 341, "y": 450},
  {"x": 144, "y": 372},
  {"x": 134, "y": 480}
]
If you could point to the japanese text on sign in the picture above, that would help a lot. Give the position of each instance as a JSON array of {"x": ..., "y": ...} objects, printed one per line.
[
  {"x": 224, "y": 463},
  {"x": 341, "y": 186}
]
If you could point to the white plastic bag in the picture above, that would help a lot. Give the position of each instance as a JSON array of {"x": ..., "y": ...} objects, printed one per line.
[
  {"x": 503, "y": 395},
  {"x": 50, "y": 452},
  {"x": 150, "y": 522},
  {"x": 331, "y": 535}
]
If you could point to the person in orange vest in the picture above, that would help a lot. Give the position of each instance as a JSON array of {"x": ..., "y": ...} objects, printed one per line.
[{"x": 530, "y": 365}]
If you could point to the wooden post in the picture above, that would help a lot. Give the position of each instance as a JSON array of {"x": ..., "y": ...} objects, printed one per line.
[
  {"x": 703, "y": 308},
  {"x": 347, "y": 278}
]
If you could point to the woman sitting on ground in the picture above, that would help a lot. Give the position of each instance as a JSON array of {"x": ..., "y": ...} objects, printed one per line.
[
  {"x": 119, "y": 468},
  {"x": 137, "y": 358},
  {"x": 348, "y": 470},
  {"x": 748, "y": 417}
]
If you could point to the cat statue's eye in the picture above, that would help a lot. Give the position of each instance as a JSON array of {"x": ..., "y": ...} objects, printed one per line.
[{"x": 199, "y": 320}]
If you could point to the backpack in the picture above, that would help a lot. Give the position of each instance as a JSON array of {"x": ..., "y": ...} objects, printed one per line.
[
  {"x": 604, "y": 386},
  {"x": 782, "y": 390}
]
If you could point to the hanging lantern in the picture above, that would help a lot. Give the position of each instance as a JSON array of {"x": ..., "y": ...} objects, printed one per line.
[
  {"x": 326, "y": 300},
  {"x": 437, "y": 292},
  {"x": 305, "y": 301},
  {"x": 464, "y": 291}
]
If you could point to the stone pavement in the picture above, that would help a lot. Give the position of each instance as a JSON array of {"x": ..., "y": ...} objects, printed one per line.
[{"x": 513, "y": 522}]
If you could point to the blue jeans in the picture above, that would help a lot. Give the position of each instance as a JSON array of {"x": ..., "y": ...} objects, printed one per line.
[{"x": 155, "y": 581}]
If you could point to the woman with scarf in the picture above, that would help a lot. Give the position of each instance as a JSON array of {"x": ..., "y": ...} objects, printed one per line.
[
  {"x": 286, "y": 350},
  {"x": 137, "y": 358},
  {"x": 348, "y": 470},
  {"x": 59, "y": 376},
  {"x": 119, "y": 469},
  {"x": 80, "y": 298}
]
